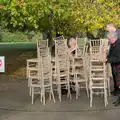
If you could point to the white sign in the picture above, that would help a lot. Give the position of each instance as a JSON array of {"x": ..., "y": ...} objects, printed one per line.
[{"x": 2, "y": 64}]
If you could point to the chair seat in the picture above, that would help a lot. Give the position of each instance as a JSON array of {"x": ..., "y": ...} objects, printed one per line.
[
  {"x": 97, "y": 70},
  {"x": 61, "y": 82},
  {"x": 81, "y": 80},
  {"x": 77, "y": 65},
  {"x": 39, "y": 86},
  {"x": 97, "y": 87},
  {"x": 33, "y": 68},
  {"x": 97, "y": 78},
  {"x": 78, "y": 57},
  {"x": 32, "y": 60}
]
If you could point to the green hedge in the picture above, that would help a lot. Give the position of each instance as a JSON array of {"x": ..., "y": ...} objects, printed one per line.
[
  {"x": 18, "y": 45},
  {"x": 6, "y": 36}
]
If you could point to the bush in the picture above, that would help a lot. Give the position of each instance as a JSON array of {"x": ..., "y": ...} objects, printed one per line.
[
  {"x": 13, "y": 36},
  {"x": 33, "y": 36},
  {"x": 1, "y": 33},
  {"x": 7, "y": 36},
  {"x": 0, "y": 36}
]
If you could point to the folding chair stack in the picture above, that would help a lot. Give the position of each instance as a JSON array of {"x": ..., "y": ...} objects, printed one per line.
[
  {"x": 61, "y": 80},
  {"x": 84, "y": 69},
  {"x": 97, "y": 78},
  {"x": 43, "y": 82},
  {"x": 80, "y": 78},
  {"x": 32, "y": 64}
]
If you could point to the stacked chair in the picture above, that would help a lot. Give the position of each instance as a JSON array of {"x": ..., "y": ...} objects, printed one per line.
[
  {"x": 32, "y": 64},
  {"x": 40, "y": 76},
  {"x": 61, "y": 79},
  {"x": 98, "y": 77},
  {"x": 80, "y": 77},
  {"x": 44, "y": 80},
  {"x": 104, "y": 42},
  {"x": 59, "y": 38},
  {"x": 85, "y": 70},
  {"x": 81, "y": 45}
]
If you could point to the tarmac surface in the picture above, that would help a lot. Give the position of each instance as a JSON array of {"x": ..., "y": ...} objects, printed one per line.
[{"x": 15, "y": 104}]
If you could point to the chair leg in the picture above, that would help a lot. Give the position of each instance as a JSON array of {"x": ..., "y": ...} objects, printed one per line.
[
  {"x": 87, "y": 90},
  {"x": 91, "y": 97},
  {"x": 77, "y": 90},
  {"x": 105, "y": 97},
  {"x": 32, "y": 90},
  {"x": 69, "y": 93},
  {"x": 43, "y": 95},
  {"x": 28, "y": 77},
  {"x": 59, "y": 90},
  {"x": 109, "y": 87},
  {"x": 52, "y": 95},
  {"x": 41, "y": 98}
]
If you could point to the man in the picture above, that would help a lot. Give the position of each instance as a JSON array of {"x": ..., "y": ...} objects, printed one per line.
[
  {"x": 112, "y": 30},
  {"x": 114, "y": 58}
]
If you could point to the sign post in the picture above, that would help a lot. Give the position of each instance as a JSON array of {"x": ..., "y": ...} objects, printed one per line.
[{"x": 2, "y": 64}]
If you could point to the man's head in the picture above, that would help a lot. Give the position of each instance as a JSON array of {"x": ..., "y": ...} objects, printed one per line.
[
  {"x": 112, "y": 37},
  {"x": 72, "y": 42},
  {"x": 110, "y": 27}
]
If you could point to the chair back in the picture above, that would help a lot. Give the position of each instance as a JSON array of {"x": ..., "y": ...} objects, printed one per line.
[
  {"x": 44, "y": 65},
  {"x": 61, "y": 56},
  {"x": 59, "y": 38},
  {"x": 42, "y": 43}
]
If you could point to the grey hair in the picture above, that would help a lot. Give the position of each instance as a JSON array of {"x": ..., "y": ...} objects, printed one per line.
[
  {"x": 110, "y": 24},
  {"x": 112, "y": 35}
]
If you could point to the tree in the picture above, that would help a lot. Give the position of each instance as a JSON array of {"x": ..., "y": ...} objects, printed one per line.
[
  {"x": 94, "y": 14},
  {"x": 66, "y": 16}
]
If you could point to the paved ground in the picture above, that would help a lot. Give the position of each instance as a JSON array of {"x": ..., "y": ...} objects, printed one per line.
[{"x": 15, "y": 105}]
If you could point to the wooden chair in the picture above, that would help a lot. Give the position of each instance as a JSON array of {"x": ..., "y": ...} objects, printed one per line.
[
  {"x": 104, "y": 42},
  {"x": 79, "y": 70},
  {"x": 32, "y": 64},
  {"x": 98, "y": 78},
  {"x": 81, "y": 44},
  {"x": 97, "y": 83},
  {"x": 42, "y": 43},
  {"x": 62, "y": 68},
  {"x": 100, "y": 52},
  {"x": 44, "y": 76},
  {"x": 108, "y": 71},
  {"x": 59, "y": 38}
]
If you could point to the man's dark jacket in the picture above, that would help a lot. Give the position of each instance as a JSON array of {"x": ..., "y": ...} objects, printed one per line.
[
  {"x": 114, "y": 52},
  {"x": 118, "y": 33}
]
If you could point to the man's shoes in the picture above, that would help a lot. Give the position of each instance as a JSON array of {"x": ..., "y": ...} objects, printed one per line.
[
  {"x": 117, "y": 100},
  {"x": 117, "y": 103},
  {"x": 115, "y": 92}
]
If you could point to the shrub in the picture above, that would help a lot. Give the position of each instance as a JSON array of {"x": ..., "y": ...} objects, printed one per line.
[
  {"x": 0, "y": 36},
  {"x": 13, "y": 37},
  {"x": 7, "y": 36}
]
